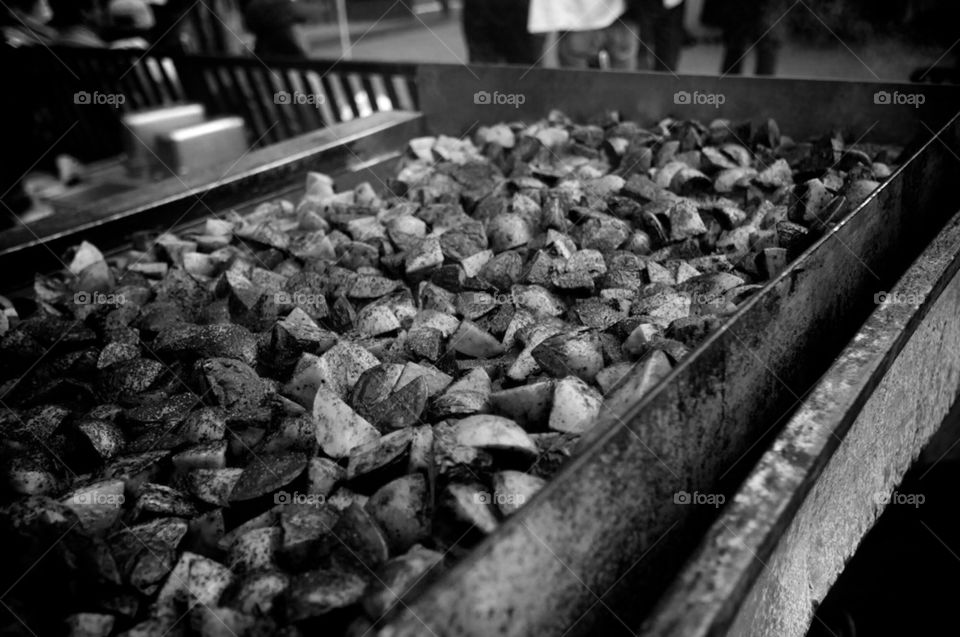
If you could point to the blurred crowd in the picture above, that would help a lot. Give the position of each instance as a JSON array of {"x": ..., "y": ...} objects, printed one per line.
[
  {"x": 618, "y": 34},
  {"x": 141, "y": 24},
  {"x": 87, "y": 23}
]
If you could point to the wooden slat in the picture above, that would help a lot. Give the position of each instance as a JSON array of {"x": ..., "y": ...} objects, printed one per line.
[
  {"x": 131, "y": 82},
  {"x": 361, "y": 95},
  {"x": 278, "y": 128},
  {"x": 344, "y": 108},
  {"x": 260, "y": 122},
  {"x": 408, "y": 97},
  {"x": 305, "y": 118},
  {"x": 381, "y": 96},
  {"x": 160, "y": 80},
  {"x": 171, "y": 80},
  {"x": 292, "y": 113},
  {"x": 317, "y": 87},
  {"x": 223, "y": 82},
  {"x": 145, "y": 84}
]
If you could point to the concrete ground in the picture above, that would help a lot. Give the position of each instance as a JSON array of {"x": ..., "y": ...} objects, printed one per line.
[{"x": 432, "y": 37}]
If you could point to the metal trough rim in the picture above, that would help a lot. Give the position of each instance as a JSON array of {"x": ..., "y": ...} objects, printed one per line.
[{"x": 691, "y": 606}]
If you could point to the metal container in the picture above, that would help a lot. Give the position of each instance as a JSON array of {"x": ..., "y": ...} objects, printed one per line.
[
  {"x": 592, "y": 552},
  {"x": 192, "y": 148},
  {"x": 142, "y": 129}
]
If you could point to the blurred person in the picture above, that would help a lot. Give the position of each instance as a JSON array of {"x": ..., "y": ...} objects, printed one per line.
[
  {"x": 129, "y": 22},
  {"x": 751, "y": 26},
  {"x": 170, "y": 18},
  {"x": 273, "y": 24},
  {"x": 76, "y": 22},
  {"x": 661, "y": 33},
  {"x": 188, "y": 26},
  {"x": 24, "y": 23},
  {"x": 496, "y": 32},
  {"x": 587, "y": 29}
]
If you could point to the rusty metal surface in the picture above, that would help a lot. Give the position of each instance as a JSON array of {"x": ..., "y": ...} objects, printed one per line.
[
  {"x": 259, "y": 174},
  {"x": 801, "y": 513}
]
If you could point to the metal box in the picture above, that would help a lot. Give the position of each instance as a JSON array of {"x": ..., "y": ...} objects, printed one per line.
[
  {"x": 193, "y": 148},
  {"x": 143, "y": 129}
]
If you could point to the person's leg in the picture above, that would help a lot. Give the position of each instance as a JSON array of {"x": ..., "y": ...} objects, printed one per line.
[
  {"x": 530, "y": 49},
  {"x": 668, "y": 39},
  {"x": 621, "y": 45},
  {"x": 481, "y": 39},
  {"x": 645, "y": 14},
  {"x": 519, "y": 46},
  {"x": 576, "y": 49},
  {"x": 767, "y": 51},
  {"x": 769, "y": 36},
  {"x": 734, "y": 49},
  {"x": 738, "y": 18}
]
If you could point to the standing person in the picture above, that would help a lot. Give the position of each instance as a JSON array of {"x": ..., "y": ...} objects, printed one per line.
[
  {"x": 129, "y": 22},
  {"x": 661, "y": 33},
  {"x": 188, "y": 26},
  {"x": 76, "y": 22},
  {"x": 756, "y": 26},
  {"x": 171, "y": 32},
  {"x": 586, "y": 29},
  {"x": 496, "y": 32},
  {"x": 24, "y": 23},
  {"x": 272, "y": 22}
]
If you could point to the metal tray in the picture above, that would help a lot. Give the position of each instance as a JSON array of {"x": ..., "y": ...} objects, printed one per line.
[
  {"x": 593, "y": 550},
  {"x": 591, "y": 553}
]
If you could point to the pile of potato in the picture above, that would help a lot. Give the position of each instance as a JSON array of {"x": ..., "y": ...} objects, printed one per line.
[{"x": 280, "y": 423}]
